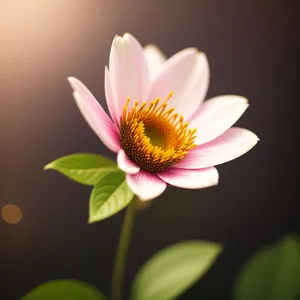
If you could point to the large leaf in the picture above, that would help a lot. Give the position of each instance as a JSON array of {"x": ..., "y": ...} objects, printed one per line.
[
  {"x": 272, "y": 274},
  {"x": 109, "y": 196},
  {"x": 84, "y": 168},
  {"x": 173, "y": 270},
  {"x": 64, "y": 289}
]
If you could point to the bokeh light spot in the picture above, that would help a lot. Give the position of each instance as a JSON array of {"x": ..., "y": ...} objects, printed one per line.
[{"x": 11, "y": 214}]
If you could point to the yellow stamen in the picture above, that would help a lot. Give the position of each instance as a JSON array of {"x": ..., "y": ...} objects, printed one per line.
[{"x": 153, "y": 136}]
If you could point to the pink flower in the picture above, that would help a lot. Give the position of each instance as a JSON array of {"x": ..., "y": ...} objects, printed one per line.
[{"x": 160, "y": 128}]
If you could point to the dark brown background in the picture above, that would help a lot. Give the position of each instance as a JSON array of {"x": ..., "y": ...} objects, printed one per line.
[{"x": 252, "y": 49}]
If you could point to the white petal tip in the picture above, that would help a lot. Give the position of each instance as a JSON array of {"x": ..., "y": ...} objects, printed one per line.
[
  {"x": 149, "y": 196},
  {"x": 122, "y": 39},
  {"x": 115, "y": 38},
  {"x": 73, "y": 82},
  {"x": 146, "y": 185},
  {"x": 125, "y": 164},
  {"x": 127, "y": 36},
  {"x": 127, "y": 170},
  {"x": 144, "y": 199},
  {"x": 234, "y": 99},
  {"x": 241, "y": 99},
  {"x": 252, "y": 139},
  {"x": 71, "y": 78},
  {"x": 246, "y": 100},
  {"x": 214, "y": 179},
  {"x": 254, "y": 136},
  {"x": 194, "y": 51},
  {"x": 201, "y": 54},
  {"x": 151, "y": 46},
  {"x": 215, "y": 182}
]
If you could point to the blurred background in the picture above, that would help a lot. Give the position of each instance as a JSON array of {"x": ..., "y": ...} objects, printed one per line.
[{"x": 252, "y": 49}]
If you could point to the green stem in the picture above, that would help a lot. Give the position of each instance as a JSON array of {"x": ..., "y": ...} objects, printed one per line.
[{"x": 124, "y": 241}]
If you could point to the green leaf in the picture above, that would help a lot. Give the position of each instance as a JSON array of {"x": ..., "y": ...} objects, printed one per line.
[
  {"x": 271, "y": 274},
  {"x": 84, "y": 168},
  {"x": 64, "y": 289},
  {"x": 109, "y": 196},
  {"x": 173, "y": 270}
]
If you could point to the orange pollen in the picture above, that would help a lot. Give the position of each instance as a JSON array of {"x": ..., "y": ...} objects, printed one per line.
[{"x": 154, "y": 136}]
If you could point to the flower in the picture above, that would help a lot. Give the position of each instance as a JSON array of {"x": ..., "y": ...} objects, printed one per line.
[{"x": 160, "y": 128}]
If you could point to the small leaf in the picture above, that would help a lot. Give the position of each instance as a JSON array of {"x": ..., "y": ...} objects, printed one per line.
[
  {"x": 173, "y": 270},
  {"x": 272, "y": 274},
  {"x": 84, "y": 168},
  {"x": 109, "y": 196},
  {"x": 64, "y": 289}
]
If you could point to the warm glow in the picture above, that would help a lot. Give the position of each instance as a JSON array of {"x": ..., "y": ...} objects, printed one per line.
[{"x": 11, "y": 214}]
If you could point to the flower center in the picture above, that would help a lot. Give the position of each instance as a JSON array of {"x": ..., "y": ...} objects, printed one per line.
[{"x": 153, "y": 136}]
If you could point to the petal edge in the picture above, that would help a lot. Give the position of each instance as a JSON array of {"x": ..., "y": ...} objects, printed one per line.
[
  {"x": 125, "y": 163},
  {"x": 191, "y": 179},
  {"x": 95, "y": 115},
  {"x": 146, "y": 185},
  {"x": 230, "y": 145},
  {"x": 216, "y": 115}
]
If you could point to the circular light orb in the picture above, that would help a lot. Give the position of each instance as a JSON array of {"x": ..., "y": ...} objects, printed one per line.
[{"x": 11, "y": 214}]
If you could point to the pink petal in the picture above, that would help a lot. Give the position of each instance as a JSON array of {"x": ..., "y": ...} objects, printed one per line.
[
  {"x": 126, "y": 164},
  {"x": 186, "y": 75},
  {"x": 216, "y": 115},
  {"x": 146, "y": 185},
  {"x": 155, "y": 59},
  {"x": 198, "y": 87},
  {"x": 190, "y": 179},
  {"x": 95, "y": 116},
  {"x": 129, "y": 73},
  {"x": 110, "y": 99},
  {"x": 230, "y": 145}
]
